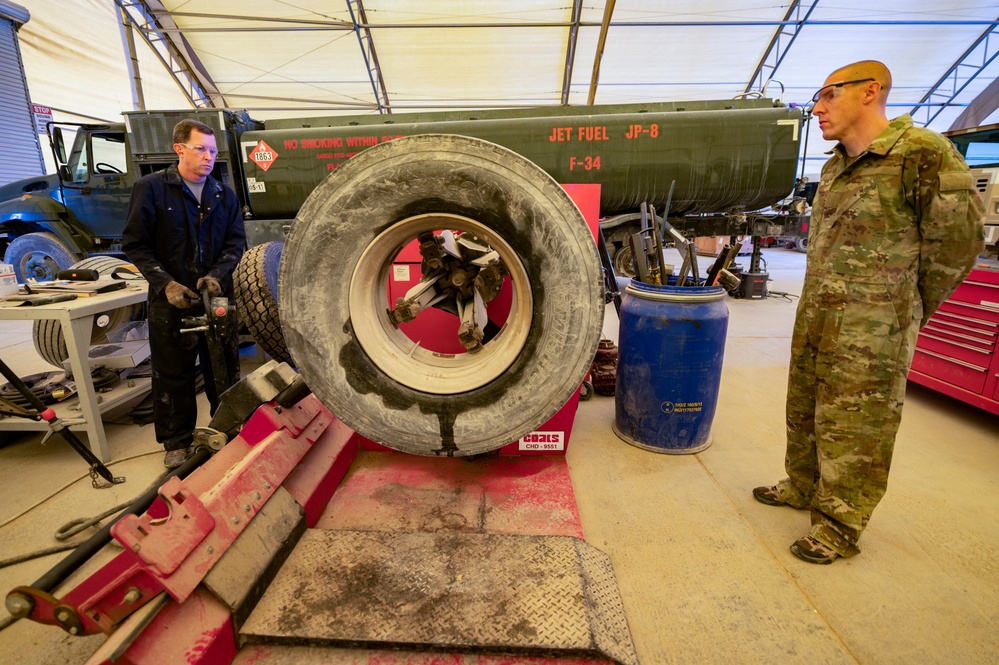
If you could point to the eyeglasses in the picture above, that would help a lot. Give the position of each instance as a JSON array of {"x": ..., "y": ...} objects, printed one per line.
[
  {"x": 818, "y": 93},
  {"x": 201, "y": 149}
]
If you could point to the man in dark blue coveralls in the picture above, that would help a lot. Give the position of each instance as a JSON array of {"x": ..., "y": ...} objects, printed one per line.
[{"x": 184, "y": 232}]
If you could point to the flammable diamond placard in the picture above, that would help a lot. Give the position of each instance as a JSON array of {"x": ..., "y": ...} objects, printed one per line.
[{"x": 263, "y": 155}]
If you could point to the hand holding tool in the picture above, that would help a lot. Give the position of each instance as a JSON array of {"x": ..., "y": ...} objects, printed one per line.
[{"x": 179, "y": 295}]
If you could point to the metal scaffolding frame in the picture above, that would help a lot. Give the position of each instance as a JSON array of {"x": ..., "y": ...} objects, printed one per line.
[
  {"x": 154, "y": 24},
  {"x": 369, "y": 54},
  {"x": 979, "y": 55},
  {"x": 780, "y": 44},
  {"x": 570, "y": 50},
  {"x": 157, "y": 27}
]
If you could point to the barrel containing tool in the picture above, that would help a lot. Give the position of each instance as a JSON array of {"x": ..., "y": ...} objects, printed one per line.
[{"x": 671, "y": 346}]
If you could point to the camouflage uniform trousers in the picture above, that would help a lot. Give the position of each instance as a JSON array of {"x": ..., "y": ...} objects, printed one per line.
[{"x": 850, "y": 354}]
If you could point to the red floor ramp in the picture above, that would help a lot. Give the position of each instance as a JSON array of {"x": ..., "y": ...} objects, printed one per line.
[
  {"x": 530, "y": 496},
  {"x": 475, "y": 593}
]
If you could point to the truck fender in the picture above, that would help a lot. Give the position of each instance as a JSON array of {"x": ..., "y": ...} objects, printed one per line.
[
  {"x": 618, "y": 220},
  {"x": 31, "y": 209},
  {"x": 619, "y": 227},
  {"x": 35, "y": 214}
]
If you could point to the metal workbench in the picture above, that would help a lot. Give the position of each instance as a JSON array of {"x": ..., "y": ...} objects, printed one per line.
[{"x": 77, "y": 319}]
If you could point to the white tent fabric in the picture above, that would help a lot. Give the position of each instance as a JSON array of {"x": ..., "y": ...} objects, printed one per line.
[
  {"x": 278, "y": 58},
  {"x": 75, "y": 62}
]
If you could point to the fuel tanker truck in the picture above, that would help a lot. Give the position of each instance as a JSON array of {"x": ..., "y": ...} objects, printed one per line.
[
  {"x": 728, "y": 158},
  {"x": 500, "y": 247}
]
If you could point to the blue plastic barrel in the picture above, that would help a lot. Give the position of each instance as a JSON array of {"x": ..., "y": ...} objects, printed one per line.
[{"x": 671, "y": 345}]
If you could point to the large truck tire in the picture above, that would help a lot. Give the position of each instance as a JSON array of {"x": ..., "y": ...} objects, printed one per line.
[
  {"x": 38, "y": 256},
  {"x": 256, "y": 283},
  {"x": 333, "y": 295},
  {"x": 47, "y": 334}
]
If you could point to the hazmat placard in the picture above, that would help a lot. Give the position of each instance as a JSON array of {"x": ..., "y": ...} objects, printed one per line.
[{"x": 263, "y": 155}]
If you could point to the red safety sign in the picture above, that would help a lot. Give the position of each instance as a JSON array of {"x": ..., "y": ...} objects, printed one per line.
[{"x": 263, "y": 155}]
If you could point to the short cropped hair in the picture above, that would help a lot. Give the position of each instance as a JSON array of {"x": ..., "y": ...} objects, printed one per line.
[
  {"x": 182, "y": 130},
  {"x": 869, "y": 69}
]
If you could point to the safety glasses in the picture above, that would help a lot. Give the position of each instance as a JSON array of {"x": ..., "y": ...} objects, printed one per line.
[{"x": 833, "y": 86}]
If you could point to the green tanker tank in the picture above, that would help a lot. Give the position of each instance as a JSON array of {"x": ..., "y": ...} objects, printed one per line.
[{"x": 725, "y": 156}]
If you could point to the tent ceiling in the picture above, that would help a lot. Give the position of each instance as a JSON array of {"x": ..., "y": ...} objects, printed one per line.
[
  {"x": 291, "y": 58},
  {"x": 384, "y": 55}
]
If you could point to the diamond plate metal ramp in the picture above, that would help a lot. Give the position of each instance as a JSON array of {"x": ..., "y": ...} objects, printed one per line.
[{"x": 456, "y": 592}]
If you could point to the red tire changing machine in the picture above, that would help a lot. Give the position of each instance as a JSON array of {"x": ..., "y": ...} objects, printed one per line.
[{"x": 184, "y": 579}]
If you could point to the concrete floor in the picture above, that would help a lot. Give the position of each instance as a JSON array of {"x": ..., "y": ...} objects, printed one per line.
[{"x": 704, "y": 570}]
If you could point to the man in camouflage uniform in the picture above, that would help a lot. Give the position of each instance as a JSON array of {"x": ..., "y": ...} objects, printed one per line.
[{"x": 895, "y": 228}]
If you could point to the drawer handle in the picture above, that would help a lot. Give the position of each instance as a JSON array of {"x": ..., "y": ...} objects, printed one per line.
[
  {"x": 985, "y": 284},
  {"x": 987, "y": 352},
  {"x": 961, "y": 317},
  {"x": 986, "y": 338},
  {"x": 952, "y": 360}
]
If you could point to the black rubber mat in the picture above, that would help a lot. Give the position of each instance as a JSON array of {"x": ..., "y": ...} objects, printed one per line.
[{"x": 457, "y": 592}]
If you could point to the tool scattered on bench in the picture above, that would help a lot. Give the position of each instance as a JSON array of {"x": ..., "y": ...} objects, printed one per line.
[
  {"x": 82, "y": 288},
  {"x": 38, "y": 299}
]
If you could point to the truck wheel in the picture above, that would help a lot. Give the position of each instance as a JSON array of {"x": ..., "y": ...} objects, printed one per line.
[
  {"x": 624, "y": 261},
  {"x": 47, "y": 334},
  {"x": 801, "y": 244},
  {"x": 334, "y": 279},
  {"x": 38, "y": 256},
  {"x": 256, "y": 283}
]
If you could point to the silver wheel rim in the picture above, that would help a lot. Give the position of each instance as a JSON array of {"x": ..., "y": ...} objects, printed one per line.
[{"x": 406, "y": 361}]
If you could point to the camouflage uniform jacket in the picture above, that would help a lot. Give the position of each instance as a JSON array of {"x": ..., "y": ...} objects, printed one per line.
[{"x": 902, "y": 213}]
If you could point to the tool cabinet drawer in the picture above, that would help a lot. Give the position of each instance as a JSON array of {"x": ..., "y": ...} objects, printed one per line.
[
  {"x": 960, "y": 332},
  {"x": 957, "y": 351},
  {"x": 979, "y": 288},
  {"x": 967, "y": 314},
  {"x": 969, "y": 376},
  {"x": 975, "y": 353}
]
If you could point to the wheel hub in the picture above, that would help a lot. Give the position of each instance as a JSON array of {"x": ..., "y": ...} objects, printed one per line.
[
  {"x": 41, "y": 267},
  {"x": 463, "y": 270}
]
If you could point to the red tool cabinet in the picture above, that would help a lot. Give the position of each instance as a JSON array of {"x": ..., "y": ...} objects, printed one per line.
[{"x": 957, "y": 352}]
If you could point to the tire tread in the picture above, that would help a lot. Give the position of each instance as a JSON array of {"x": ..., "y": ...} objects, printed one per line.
[
  {"x": 49, "y": 341},
  {"x": 257, "y": 305}
]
